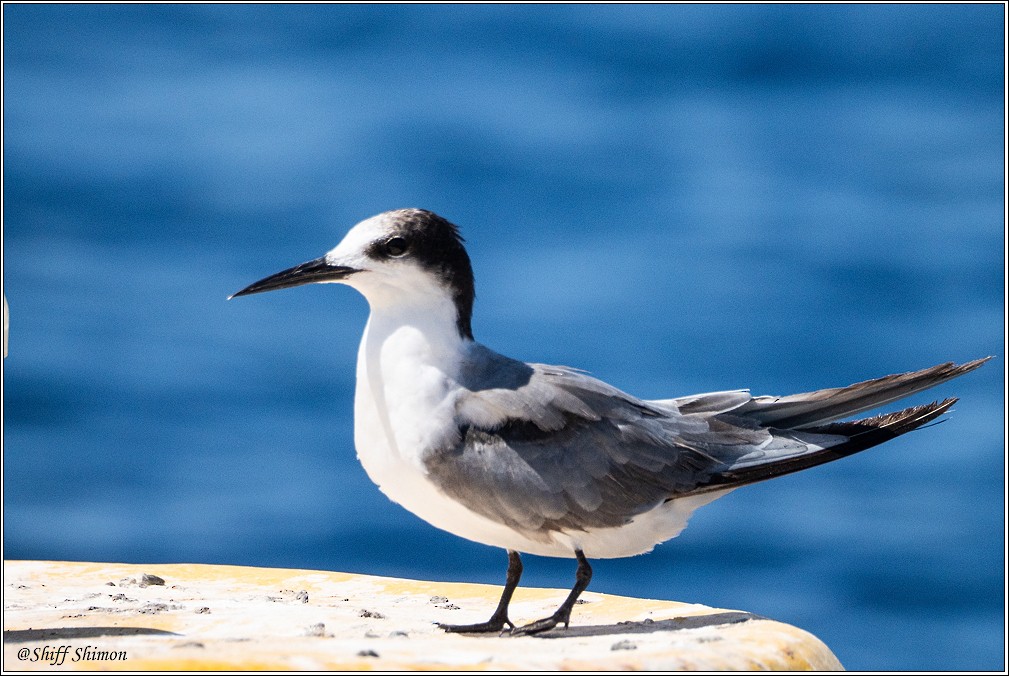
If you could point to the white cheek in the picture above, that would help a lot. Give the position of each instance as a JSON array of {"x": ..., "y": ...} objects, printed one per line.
[{"x": 346, "y": 256}]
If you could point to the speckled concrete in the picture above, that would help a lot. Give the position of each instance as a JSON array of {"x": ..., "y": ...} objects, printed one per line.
[{"x": 202, "y": 617}]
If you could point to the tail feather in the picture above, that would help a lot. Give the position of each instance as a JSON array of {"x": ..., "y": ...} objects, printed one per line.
[
  {"x": 890, "y": 425},
  {"x": 814, "y": 409},
  {"x": 862, "y": 434}
]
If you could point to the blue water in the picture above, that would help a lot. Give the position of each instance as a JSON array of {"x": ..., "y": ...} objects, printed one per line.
[{"x": 676, "y": 198}]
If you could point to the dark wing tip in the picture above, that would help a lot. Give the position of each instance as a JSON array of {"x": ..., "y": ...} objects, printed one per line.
[
  {"x": 955, "y": 370},
  {"x": 867, "y": 432}
]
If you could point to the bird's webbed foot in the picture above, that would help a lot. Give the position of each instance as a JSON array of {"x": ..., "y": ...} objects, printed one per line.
[
  {"x": 546, "y": 624},
  {"x": 496, "y": 623}
]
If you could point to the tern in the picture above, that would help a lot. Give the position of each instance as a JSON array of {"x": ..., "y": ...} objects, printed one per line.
[{"x": 545, "y": 459}]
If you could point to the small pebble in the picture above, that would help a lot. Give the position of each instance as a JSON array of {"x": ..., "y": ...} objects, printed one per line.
[
  {"x": 623, "y": 645},
  {"x": 316, "y": 630},
  {"x": 203, "y": 611},
  {"x": 302, "y": 596},
  {"x": 367, "y": 653},
  {"x": 371, "y": 613},
  {"x": 153, "y": 608},
  {"x": 151, "y": 580},
  {"x": 438, "y": 599}
]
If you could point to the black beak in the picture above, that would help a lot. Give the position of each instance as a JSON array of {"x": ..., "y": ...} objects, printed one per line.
[{"x": 317, "y": 270}]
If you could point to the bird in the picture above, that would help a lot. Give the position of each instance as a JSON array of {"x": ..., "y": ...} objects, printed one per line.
[{"x": 548, "y": 460}]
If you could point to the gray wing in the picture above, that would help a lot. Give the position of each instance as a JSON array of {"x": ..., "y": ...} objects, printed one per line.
[{"x": 543, "y": 448}]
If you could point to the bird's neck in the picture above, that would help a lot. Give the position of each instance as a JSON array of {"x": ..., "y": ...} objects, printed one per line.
[
  {"x": 402, "y": 337},
  {"x": 408, "y": 362}
]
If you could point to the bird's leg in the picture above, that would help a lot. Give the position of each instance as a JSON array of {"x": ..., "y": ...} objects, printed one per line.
[
  {"x": 499, "y": 619},
  {"x": 563, "y": 614}
]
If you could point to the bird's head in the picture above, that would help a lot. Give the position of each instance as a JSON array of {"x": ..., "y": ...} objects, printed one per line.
[{"x": 404, "y": 258}]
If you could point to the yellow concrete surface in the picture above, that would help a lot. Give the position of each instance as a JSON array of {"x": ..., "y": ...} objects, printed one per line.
[{"x": 69, "y": 615}]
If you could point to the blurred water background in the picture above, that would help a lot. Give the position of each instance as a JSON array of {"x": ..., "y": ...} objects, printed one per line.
[{"x": 676, "y": 198}]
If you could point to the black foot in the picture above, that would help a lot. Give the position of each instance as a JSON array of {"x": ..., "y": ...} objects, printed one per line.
[
  {"x": 539, "y": 626},
  {"x": 493, "y": 624},
  {"x": 499, "y": 620}
]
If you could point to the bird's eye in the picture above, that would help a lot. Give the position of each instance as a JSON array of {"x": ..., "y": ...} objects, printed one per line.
[{"x": 396, "y": 247}]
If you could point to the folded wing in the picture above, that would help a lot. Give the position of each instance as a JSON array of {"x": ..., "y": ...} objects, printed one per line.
[{"x": 542, "y": 448}]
